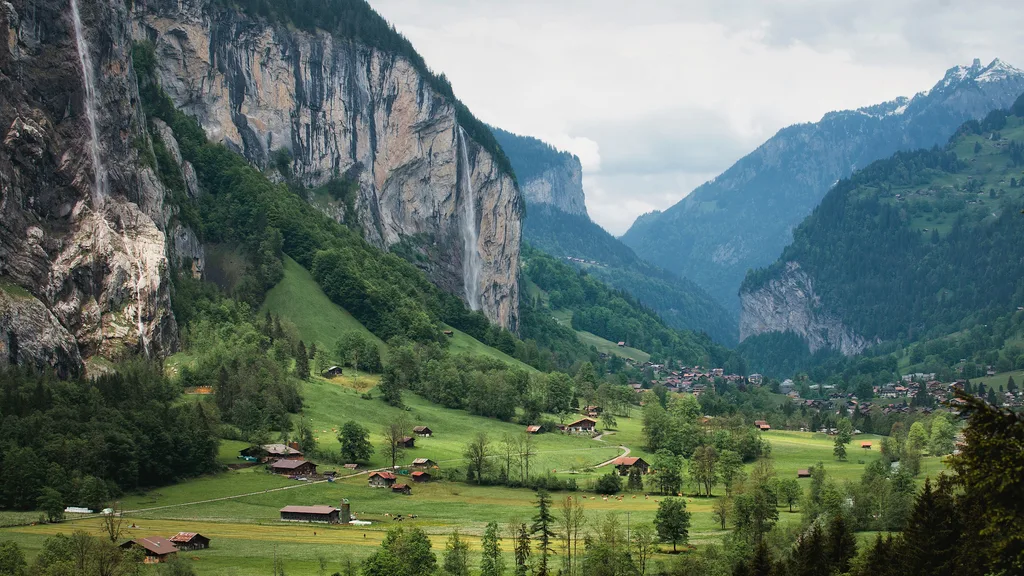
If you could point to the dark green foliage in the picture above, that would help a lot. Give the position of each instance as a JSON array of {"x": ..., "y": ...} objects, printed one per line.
[
  {"x": 355, "y": 442},
  {"x": 609, "y": 483},
  {"x": 543, "y": 531},
  {"x": 402, "y": 553},
  {"x": 530, "y": 157},
  {"x": 356, "y": 21},
  {"x": 886, "y": 276},
  {"x": 614, "y": 315},
  {"x": 84, "y": 439},
  {"x": 672, "y": 521},
  {"x": 302, "y": 361},
  {"x": 12, "y": 559},
  {"x": 681, "y": 303}
]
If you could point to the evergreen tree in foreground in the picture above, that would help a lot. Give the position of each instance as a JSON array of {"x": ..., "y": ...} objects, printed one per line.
[{"x": 541, "y": 530}]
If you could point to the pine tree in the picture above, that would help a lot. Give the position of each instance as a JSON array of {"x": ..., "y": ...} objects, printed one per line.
[
  {"x": 932, "y": 533},
  {"x": 810, "y": 558},
  {"x": 522, "y": 551},
  {"x": 302, "y": 361},
  {"x": 492, "y": 563},
  {"x": 456, "y": 555},
  {"x": 541, "y": 530},
  {"x": 839, "y": 451},
  {"x": 842, "y": 544}
]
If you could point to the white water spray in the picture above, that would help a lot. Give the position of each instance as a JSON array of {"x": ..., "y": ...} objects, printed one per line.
[
  {"x": 100, "y": 185},
  {"x": 471, "y": 263}
]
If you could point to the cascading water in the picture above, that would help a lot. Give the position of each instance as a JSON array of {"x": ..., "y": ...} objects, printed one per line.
[
  {"x": 99, "y": 192},
  {"x": 84, "y": 57},
  {"x": 471, "y": 263}
]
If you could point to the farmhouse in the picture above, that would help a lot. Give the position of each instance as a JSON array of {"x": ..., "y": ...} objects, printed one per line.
[
  {"x": 323, "y": 514},
  {"x": 381, "y": 479},
  {"x": 424, "y": 463},
  {"x": 190, "y": 541},
  {"x": 271, "y": 452},
  {"x": 424, "y": 431},
  {"x": 583, "y": 425},
  {"x": 401, "y": 489},
  {"x": 420, "y": 476},
  {"x": 407, "y": 442},
  {"x": 293, "y": 467},
  {"x": 157, "y": 548},
  {"x": 626, "y": 463}
]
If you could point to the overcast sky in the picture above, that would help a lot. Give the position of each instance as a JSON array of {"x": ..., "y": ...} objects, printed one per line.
[{"x": 659, "y": 96}]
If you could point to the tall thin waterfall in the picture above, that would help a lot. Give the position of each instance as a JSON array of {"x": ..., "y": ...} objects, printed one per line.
[
  {"x": 471, "y": 263},
  {"x": 84, "y": 57}
]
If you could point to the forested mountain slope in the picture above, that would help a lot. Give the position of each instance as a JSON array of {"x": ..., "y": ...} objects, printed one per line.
[
  {"x": 744, "y": 218},
  {"x": 557, "y": 223},
  {"x": 917, "y": 245}
]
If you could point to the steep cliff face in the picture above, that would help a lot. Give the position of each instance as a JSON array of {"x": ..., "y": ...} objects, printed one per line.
[
  {"x": 340, "y": 108},
  {"x": 83, "y": 246},
  {"x": 560, "y": 186},
  {"x": 547, "y": 176},
  {"x": 788, "y": 303}
]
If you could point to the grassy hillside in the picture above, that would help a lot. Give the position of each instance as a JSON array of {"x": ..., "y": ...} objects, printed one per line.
[
  {"x": 564, "y": 317},
  {"x": 298, "y": 300}
]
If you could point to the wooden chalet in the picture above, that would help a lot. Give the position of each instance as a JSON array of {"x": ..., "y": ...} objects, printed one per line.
[
  {"x": 424, "y": 463},
  {"x": 423, "y": 431},
  {"x": 581, "y": 426},
  {"x": 332, "y": 372},
  {"x": 420, "y": 476},
  {"x": 401, "y": 489},
  {"x": 157, "y": 548},
  {"x": 321, "y": 514},
  {"x": 624, "y": 464},
  {"x": 534, "y": 429},
  {"x": 271, "y": 452},
  {"x": 407, "y": 442},
  {"x": 190, "y": 541},
  {"x": 293, "y": 467},
  {"x": 381, "y": 479}
]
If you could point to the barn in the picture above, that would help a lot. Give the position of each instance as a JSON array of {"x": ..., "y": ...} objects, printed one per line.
[
  {"x": 271, "y": 452},
  {"x": 190, "y": 541},
  {"x": 420, "y": 476},
  {"x": 407, "y": 442},
  {"x": 424, "y": 463},
  {"x": 321, "y": 514},
  {"x": 424, "y": 431},
  {"x": 157, "y": 548},
  {"x": 293, "y": 467},
  {"x": 626, "y": 463}
]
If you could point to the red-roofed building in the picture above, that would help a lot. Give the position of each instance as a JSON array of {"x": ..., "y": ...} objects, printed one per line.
[
  {"x": 534, "y": 429},
  {"x": 626, "y": 463},
  {"x": 402, "y": 489},
  {"x": 190, "y": 541},
  {"x": 420, "y": 476},
  {"x": 381, "y": 479},
  {"x": 157, "y": 548}
]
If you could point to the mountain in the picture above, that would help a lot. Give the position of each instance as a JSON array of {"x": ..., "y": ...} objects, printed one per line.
[
  {"x": 557, "y": 223},
  {"x": 100, "y": 204},
  {"x": 743, "y": 218},
  {"x": 919, "y": 245},
  {"x": 546, "y": 175}
]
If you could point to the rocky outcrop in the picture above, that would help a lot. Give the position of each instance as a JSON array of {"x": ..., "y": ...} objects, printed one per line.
[
  {"x": 788, "y": 303},
  {"x": 560, "y": 186},
  {"x": 340, "y": 107},
  {"x": 85, "y": 267}
]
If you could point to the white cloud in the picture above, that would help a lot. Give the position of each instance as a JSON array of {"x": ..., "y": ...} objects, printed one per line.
[{"x": 657, "y": 96}]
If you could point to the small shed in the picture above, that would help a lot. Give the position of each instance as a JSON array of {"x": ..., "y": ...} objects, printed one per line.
[
  {"x": 321, "y": 514},
  {"x": 865, "y": 445},
  {"x": 332, "y": 372},
  {"x": 381, "y": 479},
  {"x": 424, "y": 463},
  {"x": 407, "y": 442},
  {"x": 803, "y": 473},
  {"x": 535, "y": 429},
  {"x": 401, "y": 489},
  {"x": 157, "y": 548},
  {"x": 190, "y": 541},
  {"x": 293, "y": 467},
  {"x": 420, "y": 476},
  {"x": 762, "y": 425},
  {"x": 424, "y": 431},
  {"x": 351, "y": 466}
]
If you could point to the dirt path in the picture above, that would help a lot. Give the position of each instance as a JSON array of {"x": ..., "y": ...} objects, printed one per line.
[{"x": 625, "y": 452}]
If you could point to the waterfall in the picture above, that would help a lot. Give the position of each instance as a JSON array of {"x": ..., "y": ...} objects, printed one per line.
[
  {"x": 100, "y": 185},
  {"x": 471, "y": 263}
]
